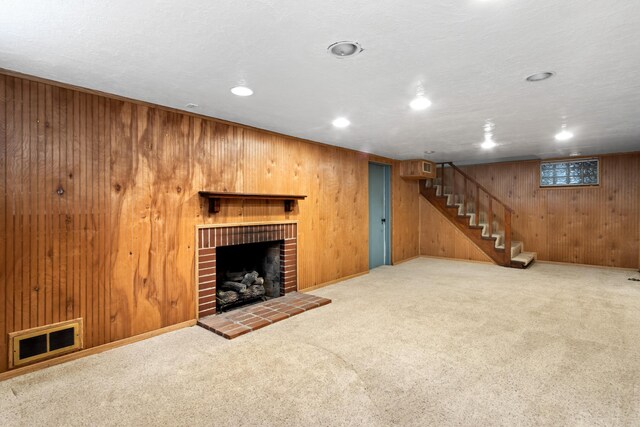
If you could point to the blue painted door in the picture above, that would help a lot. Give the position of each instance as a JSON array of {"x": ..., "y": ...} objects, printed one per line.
[{"x": 379, "y": 215}]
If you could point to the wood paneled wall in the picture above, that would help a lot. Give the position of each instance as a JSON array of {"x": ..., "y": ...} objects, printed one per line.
[
  {"x": 406, "y": 216},
  {"x": 440, "y": 238},
  {"x": 584, "y": 225},
  {"x": 99, "y": 207}
]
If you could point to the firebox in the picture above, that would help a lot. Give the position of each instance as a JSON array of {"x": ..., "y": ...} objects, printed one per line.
[
  {"x": 247, "y": 273},
  {"x": 243, "y": 263}
]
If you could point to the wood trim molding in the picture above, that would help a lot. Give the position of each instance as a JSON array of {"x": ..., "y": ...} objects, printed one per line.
[
  {"x": 243, "y": 224},
  {"x": 551, "y": 159},
  {"x": 215, "y": 197},
  {"x": 475, "y": 261},
  {"x": 573, "y": 264},
  {"x": 568, "y": 186},
  {"x": 402, "y": 261},
  {"x": 93, "y": 350}
]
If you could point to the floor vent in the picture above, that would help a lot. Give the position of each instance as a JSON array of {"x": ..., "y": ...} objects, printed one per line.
[{"x": 44, "y": 342}]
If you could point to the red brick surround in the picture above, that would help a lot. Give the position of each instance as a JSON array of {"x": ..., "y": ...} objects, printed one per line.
[
  {"x": 246, "y": 319},
  {"x": 211, "y": 237}
]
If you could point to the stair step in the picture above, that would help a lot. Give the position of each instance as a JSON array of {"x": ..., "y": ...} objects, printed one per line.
[
  {"x": 472, "y": 219},
  {"x": 516, "y": 248},
  {"x": 485, "y": 231},
  {"x": 524, "y": 258}
]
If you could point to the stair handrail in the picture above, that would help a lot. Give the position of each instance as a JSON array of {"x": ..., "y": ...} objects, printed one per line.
[
  {"x": 461, "y": 172},
  {"x": 507, "y": 209}
]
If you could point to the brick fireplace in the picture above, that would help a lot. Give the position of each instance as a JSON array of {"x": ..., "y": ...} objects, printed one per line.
[{"x": 211, "y": 237}]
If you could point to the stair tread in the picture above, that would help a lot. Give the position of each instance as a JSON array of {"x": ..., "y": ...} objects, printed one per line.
[
  {"x": 524, "y": 257},
  {"x": 513, "y": 245}
]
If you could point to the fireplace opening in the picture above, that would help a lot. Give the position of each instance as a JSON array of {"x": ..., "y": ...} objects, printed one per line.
[
  {"x": 247, "y": 273},
  {"x": 269, "y": 249}
]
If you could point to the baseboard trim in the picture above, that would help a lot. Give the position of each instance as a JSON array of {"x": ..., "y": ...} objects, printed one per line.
[
  {"x": 93, "y": 350},
  {"x": 333, "y": 282},
  {"x": 406, "y": 260},
  {"x": 538, "y": 261},
  {"x": 586, "y": 265},
  {"x": 475, "y": 261}
]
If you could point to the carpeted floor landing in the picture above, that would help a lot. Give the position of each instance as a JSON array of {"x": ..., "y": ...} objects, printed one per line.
[{"x": 428, "y": 342}]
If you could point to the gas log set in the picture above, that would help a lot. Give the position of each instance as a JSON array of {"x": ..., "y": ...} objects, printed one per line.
[
  {"x": 246, "y": 273},
  {"x": 239, "y": 288}
]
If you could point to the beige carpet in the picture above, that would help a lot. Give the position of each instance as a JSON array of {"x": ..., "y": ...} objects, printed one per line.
[{"x": 428, "y": 342}]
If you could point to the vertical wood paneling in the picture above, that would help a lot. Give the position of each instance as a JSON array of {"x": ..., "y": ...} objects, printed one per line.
[
  {"x": 440, "y": 238},
  {"x": 21, "y": 236},
  {"x": 4, "y": 229},
  {"x": 11, "y": 156},
  {"x": 31, "y": 289},
  {"x": 84, "y": 187},
  {"x": 67, "y": 129},
  {"x": 76, "y": 212},
  {"x": 48, "y": 202},
  {"x": 57, "y": 240},
  {"x": 117, "y": 246},
  {"x": 121, "y": 219},
  {"x": 584, "y": 225},
  {"x": 405, "y": 214}
]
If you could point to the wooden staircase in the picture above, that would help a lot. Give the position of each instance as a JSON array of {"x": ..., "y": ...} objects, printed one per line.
[{"x": 480, "y": 215}]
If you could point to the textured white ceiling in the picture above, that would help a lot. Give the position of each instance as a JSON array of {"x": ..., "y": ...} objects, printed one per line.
[{"x": 472, "y": 57}]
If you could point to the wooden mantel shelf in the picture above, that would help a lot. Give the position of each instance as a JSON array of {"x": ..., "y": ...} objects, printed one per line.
[{"x": 214, "y": 199}]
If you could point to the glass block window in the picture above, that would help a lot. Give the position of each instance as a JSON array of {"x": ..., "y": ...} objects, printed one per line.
[{"x": 569, "y": 173}]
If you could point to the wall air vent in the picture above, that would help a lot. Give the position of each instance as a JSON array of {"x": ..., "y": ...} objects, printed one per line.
[
  {"x": 417, "y": 169},
  {"x": 44, "y": 342}
]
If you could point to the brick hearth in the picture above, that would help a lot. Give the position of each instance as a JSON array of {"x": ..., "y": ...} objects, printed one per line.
[{"x": 243, "y": 320}]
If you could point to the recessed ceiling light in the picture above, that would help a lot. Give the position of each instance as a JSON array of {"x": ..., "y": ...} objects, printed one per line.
[
  {"x": 341, "y": 122},
  {"x": 344, "y": 49},
  {"x": 241, "y": 91},
  {"x": 564, "y": 134},
  {"x": 429, "y": 152},
  {"x": 575, "y": 153},
  {"x": 488, "y": 135},
  {"x": 537, "y": 77},
  {"x": 488, "y": 143},
  {"x": 191, "y": 105},
  {"x": 420, "y": 103}
]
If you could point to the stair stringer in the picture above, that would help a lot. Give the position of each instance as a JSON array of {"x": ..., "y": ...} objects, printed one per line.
[
  {"x": 448, "y": 241},
  {"x": 441, "y": 202}
]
